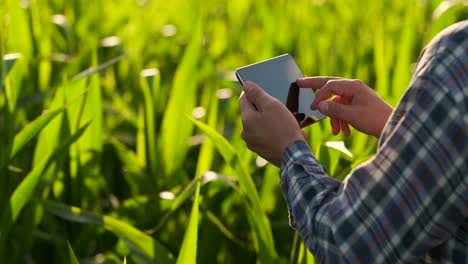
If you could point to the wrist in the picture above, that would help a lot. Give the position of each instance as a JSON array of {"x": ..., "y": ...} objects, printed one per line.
[
  {"x": 383, "y": 120},
  {"x": 291, "y": 140},
  {"x": 290, "y": 153}
]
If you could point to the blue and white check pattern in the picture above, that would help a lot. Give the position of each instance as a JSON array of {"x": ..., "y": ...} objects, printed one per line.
[{"x": 409, "y": 203}]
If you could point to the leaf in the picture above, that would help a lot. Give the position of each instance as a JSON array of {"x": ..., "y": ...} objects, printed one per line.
[
  {"x": 340, "y": 146},
  {"x": 149, "y": 88},
  {"x": 141, "y": 153},
  {"x": 28, "y": 132},
  {"x": 256, "y": 215},
  {"x": 133, "y": 169},
  {"x": 51, "y": 133},
  {"x": 209, "y": 176},
  {"x": 91, "y": 142},
  {"x": 205, "y": 157},
  {"x": 127, "y": 156},
  {"x": 188, "y": 251},
  {"x": 187, "y": 192},
  {"x": 402, "y": 70},
  {"x": 73, "y": 259},
  {"x": 9, "y": 91},
  {"x": 8, "y": 62},
  {"x": 268, "y": 195},
  {"x": 23, "y": 192},
  {"x": 101, "y": 67},
  {"x": 25, "y": 189},
  {"x": 222, "y": 228},
  {"x": 85, "y": 154},
  {"x": 123, "y": 109},
  {"x": 443, "y": 7},
  {"x": 142, "y": 245},
  {"x": 305, "y": 257},
  {"x": 448, "y": 12},
  {"x": 175, "y": 132}
]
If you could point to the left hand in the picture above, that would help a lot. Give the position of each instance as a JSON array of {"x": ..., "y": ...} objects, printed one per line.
[{"x": 269, "y": 127}]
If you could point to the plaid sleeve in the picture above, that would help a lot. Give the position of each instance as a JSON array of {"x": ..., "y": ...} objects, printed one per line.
[{"x": 408, "y": 203}]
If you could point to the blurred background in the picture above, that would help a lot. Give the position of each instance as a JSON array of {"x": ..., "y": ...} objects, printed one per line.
[{"x": 120, "y": 128}]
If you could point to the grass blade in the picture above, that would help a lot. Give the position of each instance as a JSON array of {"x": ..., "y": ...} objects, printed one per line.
[
  {"x": 25, "y": 135},
  {"x": 23, "y": 192},
  {"x": 141, "y": 244},
  {"x": 134, "y": 169},
  {"x": 127, "y": 156},
  {"x": 205, "y": 157},
  {"x": 25, "y": 189},
  {"x": 149, "y": 88},
  {"x": 222, "y": 228},
  {"x": 402, "y": 72},
  {"x": 85, "y": 154},
  {"x": 73, "y": 259},
  {"x": 188, "y": 191},
  {"x": 8, "y": 62},
  {"x": 9, "y": 88},
  {"x": 98, "y": 68},
  {"x": 174, "y": 146},
  {"x": 305, "y": 257},
  {"x": 257, "y": 217},
  {"x": 188, "y": 251}
]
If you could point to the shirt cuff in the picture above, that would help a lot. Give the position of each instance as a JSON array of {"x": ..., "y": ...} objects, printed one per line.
[
  {"x": 297, "y": 149},
  {"x": 298, "y": 162}
]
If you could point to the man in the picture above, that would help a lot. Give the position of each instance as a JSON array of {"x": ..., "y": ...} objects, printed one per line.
[{"x": 407, "y": 204}]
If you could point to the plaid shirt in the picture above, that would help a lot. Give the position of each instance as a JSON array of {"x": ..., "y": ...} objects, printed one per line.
[{"x": 409, "y": 203}]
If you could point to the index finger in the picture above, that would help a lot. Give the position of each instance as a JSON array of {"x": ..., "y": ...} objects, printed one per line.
[
  {"x": 315, "y": 82},
  {"x": 342, "y": 87}
]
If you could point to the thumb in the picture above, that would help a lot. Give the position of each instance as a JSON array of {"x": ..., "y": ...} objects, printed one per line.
[
  {"x": 339, "y": 111},
  {"x": 255, "y": 94}
]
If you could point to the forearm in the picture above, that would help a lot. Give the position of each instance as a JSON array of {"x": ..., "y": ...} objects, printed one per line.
[
  {"x": 306, "y": 187},
  {"x": 392, "y": 208},
  {"x": 411, "y": 198}
]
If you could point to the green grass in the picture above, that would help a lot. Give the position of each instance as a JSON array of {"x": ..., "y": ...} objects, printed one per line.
[{"x": 120, "y": 129}]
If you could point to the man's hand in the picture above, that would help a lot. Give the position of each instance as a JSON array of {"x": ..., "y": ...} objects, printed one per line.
[
  {"x": 269, "y": 127},
  {"x": 354, "y": 103}
]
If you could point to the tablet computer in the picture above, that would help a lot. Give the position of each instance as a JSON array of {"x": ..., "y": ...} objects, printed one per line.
[{"x": 277, "y": 76}]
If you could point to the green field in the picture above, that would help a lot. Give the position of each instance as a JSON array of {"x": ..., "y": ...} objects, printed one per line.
[{"x": 120, "y": 128}]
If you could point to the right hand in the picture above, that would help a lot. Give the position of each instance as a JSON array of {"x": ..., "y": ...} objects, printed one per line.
[{"x": 354, "y": 103}]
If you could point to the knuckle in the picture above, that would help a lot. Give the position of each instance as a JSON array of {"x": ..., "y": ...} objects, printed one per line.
[
  {"x": 358, "y": 82},
  {"x": 330, "y": 83},
  {"x": 335, "y": 86}
]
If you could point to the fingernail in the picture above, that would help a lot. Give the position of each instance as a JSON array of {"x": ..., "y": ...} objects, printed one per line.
[{"x": 323, "y": 106}]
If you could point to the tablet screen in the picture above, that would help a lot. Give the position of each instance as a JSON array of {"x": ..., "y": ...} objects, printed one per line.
[{"x": 277, "y": 77}]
